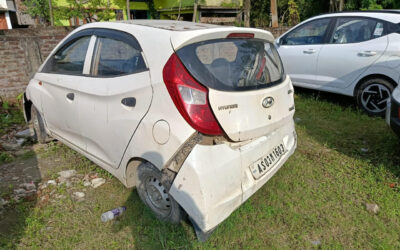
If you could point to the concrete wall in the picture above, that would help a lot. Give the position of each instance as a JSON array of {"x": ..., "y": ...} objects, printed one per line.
[{"x": 22, "y": 51}]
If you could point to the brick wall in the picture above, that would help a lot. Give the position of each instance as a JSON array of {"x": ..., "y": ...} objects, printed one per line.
[
  {"x": 278, "y": 31},
  {"x": 22, "y": 51}
]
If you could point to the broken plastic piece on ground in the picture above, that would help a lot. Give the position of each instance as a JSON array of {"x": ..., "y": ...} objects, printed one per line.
[
  {"x": 109, "y": 215},
  {"x": 97, "y": 182}
]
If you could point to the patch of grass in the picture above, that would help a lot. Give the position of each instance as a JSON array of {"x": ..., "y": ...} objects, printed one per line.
[
  {"x": 28, "y": 154},
  {"x": 319, "y": 195},
  {"x": 9, "y": 118},
  {"x": 5, "y": 157}
]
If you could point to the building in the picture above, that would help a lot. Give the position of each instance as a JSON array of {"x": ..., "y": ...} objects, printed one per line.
[
  {"x": 8, "y": 18},
  {"x": 208, "y": 11}
]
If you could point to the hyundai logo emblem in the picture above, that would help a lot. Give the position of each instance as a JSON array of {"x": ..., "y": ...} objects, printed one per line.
[{"x": 268, "y": 102}]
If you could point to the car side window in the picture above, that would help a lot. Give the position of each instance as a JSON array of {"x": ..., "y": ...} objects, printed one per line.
[
  {"x": 312, "y": 32},
  {"x": 70, "y": 58},
  {"x": 113, "y": 57},
  {"x": 356, "y": 29}
]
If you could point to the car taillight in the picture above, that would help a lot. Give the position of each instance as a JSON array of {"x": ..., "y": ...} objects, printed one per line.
[
  {"x": 190, "y": 97},
  {"x": 240, "y": 35}
]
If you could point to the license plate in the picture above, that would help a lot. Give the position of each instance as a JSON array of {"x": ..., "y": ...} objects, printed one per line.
[{"x": 263, "y": 165}]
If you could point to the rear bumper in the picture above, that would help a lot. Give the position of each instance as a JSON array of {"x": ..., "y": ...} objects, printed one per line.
[
  {"x": 216, "y": 179},
  {"x": 392, "y": 116}
]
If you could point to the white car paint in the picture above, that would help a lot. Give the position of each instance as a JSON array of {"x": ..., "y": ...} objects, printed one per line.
[
  {"x": 215, "y": 178},
  {"x": 339, "y": 68},
  {"x": 259, "y": 120},
  {"x": 304, "y": 72},
  {"x": 340, "y": 65}
]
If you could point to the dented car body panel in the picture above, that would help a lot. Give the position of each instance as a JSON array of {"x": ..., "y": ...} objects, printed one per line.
[{"x": 211, "y": 187}]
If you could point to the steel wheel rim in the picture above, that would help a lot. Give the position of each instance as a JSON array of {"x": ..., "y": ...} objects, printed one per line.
[
  {"x": 375, "y": 97},
  {"x": 157, "y": 195}
]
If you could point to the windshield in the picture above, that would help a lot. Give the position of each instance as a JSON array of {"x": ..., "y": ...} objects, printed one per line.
[{"x": 233, "y": 64}]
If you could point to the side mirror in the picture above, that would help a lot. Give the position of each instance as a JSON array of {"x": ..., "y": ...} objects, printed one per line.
[{"x": 58, "y": 57}]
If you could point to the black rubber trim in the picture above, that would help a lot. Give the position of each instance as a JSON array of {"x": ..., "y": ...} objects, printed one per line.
[{"x": 394, "y": 116}]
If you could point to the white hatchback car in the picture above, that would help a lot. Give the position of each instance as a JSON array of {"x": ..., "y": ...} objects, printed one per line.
[
  {"x": 350, "y": 53},
  {"x": 197, "y": 117}
]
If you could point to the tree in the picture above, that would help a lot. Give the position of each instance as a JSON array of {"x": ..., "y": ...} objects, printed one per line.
[
  {"x": 274, "y": 13},
  {"x": 128, "y": 9},
  {"x": 370, "y": 5},
  {"x": 51, "y": 13},
  {"x": 90, "y": 11},
  {"x": 336, "y": 5},
  {"x": 294, "y": 16},
  {"x": 247, "y": 7},
  {"x": 38, "y": 9}
]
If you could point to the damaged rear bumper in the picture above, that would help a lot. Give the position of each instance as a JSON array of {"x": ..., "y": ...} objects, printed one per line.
[{"x": 214, "y": 180}]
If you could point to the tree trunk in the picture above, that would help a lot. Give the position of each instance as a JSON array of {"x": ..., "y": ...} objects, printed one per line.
[
  {"x": 51, "y": 13},
  {"x": 274, "y": 13},
  {"x": 246, "y": 11},
  {"x": 194, "y": 19},
  {"x": 128, "y": 10},
  {"x": 332, "y": 5},
  {"x": 341, "y": 5}
]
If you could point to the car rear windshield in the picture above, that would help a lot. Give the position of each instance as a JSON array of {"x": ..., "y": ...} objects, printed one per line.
[{"x": 233, "y": 64}]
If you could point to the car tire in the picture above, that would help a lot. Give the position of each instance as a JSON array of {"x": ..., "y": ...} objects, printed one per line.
[
  {"x": 153, "y": 192},
  {"x": 36, "y": 123},
  {"x": 373, "y": 94}
]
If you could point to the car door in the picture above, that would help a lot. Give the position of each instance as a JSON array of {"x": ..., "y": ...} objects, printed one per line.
[
  {"x": 115, "y": 97},
  {"x": 355, "y": 44},
  {"x": 299, "y": 50},
  {"x": 59, "y": 80}
]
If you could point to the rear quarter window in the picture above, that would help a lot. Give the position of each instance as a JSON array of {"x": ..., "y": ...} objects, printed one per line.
[
  {"x": 233, "y": 64},
  {"x": 115, "y": 57}
]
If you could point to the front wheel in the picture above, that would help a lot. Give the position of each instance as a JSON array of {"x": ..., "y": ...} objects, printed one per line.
[
  {"x": 155, "y": 195},
  {"x": 373, "y": 96}
]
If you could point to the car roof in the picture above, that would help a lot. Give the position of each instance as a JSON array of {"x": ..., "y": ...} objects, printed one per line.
[
  {"x": 171, "y": 25},
  {"x": 392, "y": 16},
  {"x": 179, "y": 33}
]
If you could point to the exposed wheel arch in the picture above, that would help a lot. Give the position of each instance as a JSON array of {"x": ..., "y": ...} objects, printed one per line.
[
  {"x": 366, "y": 78},
  {"x": 131, "y": 171},
  {"x": 27, "y": 108}
]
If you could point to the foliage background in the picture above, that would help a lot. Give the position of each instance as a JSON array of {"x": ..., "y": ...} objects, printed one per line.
[
  {"x": 260, "y": 9},
  {"x": 290, "y": 12}
]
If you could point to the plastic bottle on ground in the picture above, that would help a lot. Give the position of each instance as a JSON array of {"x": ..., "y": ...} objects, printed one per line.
[{"x": 112, "y": 214}]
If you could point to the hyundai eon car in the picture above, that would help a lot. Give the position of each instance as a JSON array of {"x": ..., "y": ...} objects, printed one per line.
[{"x": 197, "y": 117}]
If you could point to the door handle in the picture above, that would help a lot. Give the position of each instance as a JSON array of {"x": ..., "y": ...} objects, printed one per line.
[
  {"x": 70, "y": 96},
  {"x": 366, "y": 53},
  {"x": 309, "y": 51},
  {"x": 129, "y": 101}
]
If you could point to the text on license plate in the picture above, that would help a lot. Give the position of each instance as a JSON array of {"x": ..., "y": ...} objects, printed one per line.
[{"x": 263, "y": 165}]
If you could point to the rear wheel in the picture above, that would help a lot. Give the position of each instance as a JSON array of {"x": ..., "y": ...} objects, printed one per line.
[
  {"x": 154, "y": 193},
  {"x": 37, "y": 125},
  {"x": 373, "y": 96}
]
